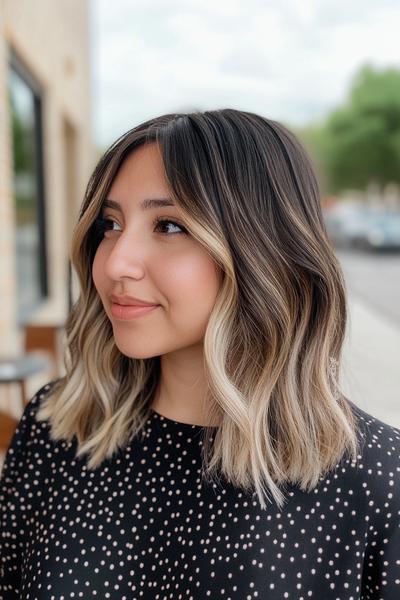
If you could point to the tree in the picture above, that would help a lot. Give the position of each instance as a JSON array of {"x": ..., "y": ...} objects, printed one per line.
[{"x": 360, "y": 141}]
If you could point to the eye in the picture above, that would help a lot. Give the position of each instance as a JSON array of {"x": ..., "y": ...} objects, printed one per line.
[
  {"x": 160, "y": 222},
  {"x": 103, "y": 224}
]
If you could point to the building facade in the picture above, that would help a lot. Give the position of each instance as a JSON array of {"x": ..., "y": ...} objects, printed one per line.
[{"x": 47, "y": 153}]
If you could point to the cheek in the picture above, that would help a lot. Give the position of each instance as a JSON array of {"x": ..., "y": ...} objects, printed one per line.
[
  {"x": 191, "y": 282},
  {"x": 98, "y": 272}
]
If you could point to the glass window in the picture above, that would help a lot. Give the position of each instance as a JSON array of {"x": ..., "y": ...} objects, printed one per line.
[{"x": 25, "y": 114}]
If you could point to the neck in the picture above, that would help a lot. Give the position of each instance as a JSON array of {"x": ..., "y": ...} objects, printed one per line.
[{"x": 181, "y": 392}]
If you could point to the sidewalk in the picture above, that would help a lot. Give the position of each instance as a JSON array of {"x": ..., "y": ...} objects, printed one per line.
[{"x": 371, "y": 362}]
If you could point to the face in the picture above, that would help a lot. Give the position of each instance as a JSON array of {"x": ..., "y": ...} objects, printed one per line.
[{"x": 147, "y": 253}]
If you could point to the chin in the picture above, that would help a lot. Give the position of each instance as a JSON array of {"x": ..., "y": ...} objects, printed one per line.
[{"x": 132, "y": 352}]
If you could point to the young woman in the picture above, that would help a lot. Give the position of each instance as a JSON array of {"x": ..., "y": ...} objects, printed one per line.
[{"x": 198, "y": 445}]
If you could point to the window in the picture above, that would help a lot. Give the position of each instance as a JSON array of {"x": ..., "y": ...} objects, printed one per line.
[{"x": 27, "y": 151}]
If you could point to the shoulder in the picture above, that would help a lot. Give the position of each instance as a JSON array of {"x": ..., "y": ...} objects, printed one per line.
[
  {"x": 27, "y": 429},
  {"x": 378, "y": 476},
  {"x": 32, "y": 406},
  {"x": 379, "y": 463},
  {"x": 381, "y": 441},
  {"x": 28, "y": 438}
]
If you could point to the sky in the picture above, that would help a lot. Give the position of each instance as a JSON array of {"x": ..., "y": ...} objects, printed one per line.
[{"x": 288, "y": 60}]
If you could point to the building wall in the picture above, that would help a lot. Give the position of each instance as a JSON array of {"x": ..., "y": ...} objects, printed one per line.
[{"x": 52, "y": 40}]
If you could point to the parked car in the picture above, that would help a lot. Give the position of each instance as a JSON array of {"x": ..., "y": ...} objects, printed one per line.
[
  {"x": 363, "y": 227},
  {"x": 382, "y": 233},
  {"x": 346, "y": 224}
]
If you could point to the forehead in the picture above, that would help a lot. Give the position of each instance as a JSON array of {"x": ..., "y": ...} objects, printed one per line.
[
  {"x": 140, "y": 180},
  {"x": 142, "y": 164}
]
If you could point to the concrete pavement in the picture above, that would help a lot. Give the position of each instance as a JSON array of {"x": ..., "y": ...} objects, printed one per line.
[{"x": 371, "y": 362}]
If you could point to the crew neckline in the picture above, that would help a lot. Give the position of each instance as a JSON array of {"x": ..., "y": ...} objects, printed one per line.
[{"x": 175, "y": 423}]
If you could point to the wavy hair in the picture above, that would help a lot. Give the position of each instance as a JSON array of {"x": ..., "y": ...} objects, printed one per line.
[{"x": 248, "y": 192}]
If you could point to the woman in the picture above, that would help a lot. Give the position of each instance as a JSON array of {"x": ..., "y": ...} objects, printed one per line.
[{"x": 198, "y": 445}]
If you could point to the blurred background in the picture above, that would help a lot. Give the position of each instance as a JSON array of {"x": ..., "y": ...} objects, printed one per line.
[{"x": 76, "y": 74}]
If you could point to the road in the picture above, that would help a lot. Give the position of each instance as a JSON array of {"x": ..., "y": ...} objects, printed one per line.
[
  {"x": 374, "y": 278},
  {"x": 371, "y": 357}
]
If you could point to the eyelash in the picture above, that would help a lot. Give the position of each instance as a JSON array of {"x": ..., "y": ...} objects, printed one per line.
[{"x": 101, "y": 225}]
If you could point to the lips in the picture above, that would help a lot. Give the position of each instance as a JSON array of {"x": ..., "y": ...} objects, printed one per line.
[
  {"x": 126, "y": 313},
  {"x": 130, "y": 301},
  {"x": 134, "y": 304}
]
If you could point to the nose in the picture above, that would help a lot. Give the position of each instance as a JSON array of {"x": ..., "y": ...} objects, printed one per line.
[{"x": 126, "y": 258}]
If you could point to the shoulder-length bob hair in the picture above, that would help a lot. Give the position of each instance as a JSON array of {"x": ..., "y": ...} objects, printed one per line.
[{"x": 248, "y": 193}]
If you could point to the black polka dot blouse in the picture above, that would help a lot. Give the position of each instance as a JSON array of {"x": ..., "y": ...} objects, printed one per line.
[{"x": 146, "y": 525}]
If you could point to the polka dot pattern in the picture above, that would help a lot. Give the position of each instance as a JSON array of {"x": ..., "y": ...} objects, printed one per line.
[{"x": 146, "y": 525}]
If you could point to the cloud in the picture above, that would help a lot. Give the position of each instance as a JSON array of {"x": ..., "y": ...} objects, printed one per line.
[{"x": 290, "y": 61}]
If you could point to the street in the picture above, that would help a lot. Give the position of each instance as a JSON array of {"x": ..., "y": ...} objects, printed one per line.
[
  {"x": 371, "y": 365},
  {"x": 375, "y": 279}
]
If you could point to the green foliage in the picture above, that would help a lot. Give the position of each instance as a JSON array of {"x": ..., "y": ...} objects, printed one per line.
[
  {"x": 23, "y": 139},
  {"x": 360, "y": 141}
]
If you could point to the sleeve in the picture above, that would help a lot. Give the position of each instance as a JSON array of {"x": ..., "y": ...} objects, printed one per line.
[
  {"x": 12, "y": 522},
  {"x": 381, "y": 570}
]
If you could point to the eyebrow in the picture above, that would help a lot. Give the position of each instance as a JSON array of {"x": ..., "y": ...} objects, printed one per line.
[{"x": 146, "y": 204}]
